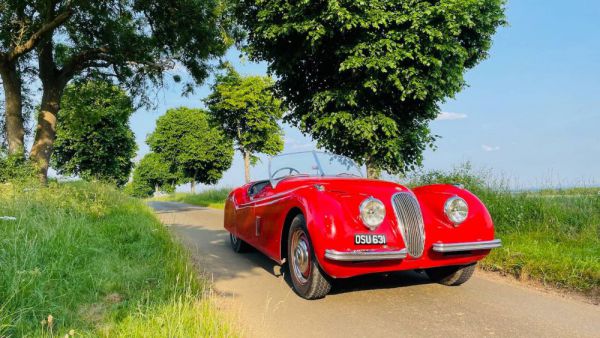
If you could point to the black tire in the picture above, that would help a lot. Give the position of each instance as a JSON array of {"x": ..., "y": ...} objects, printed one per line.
[
  {"x": 237, "y": 244},
  {"x": 307, "y": 278},
  {"x": 451, "y": 275}
]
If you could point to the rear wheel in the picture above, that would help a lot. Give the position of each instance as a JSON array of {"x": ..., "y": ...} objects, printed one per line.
[
  {"x": 308, "y": 280},
  {"x": 237, "y": 244},
  {"x": 451, "y": 275}
]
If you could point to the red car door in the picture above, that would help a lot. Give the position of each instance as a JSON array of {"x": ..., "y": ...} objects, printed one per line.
[
  {"x": 245, "y": 219},
  {"x": 267, "y": 228}
]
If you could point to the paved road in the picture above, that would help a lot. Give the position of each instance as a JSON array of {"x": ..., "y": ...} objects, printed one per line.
[{"x": 397, "y": 305}]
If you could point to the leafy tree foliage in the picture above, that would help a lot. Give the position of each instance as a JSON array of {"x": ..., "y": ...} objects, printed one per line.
[
  {"x": 94, "y": 140},
  {"x": 153, "y": 174},
  {"x": 192, "y": 144},
  {"x": 248, "y": 112},
  {"x": 132, "y": 41},
  {"x": 364, "y": 78},
  {"x": 14, "y": 167}
]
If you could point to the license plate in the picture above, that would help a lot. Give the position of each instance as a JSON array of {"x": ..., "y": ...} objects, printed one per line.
[{"x": 366, "y": 239}]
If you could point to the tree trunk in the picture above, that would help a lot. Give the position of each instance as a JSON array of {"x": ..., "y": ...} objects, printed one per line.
[
  {"x": 193, "y": 184},
  {"x": 45, "y": 132},
  {"x": 15, "y": 130},
  {"x": 372, "y": 171},
  {"x": 247, "y": 165},
  {"x": 156, "y": 191}
]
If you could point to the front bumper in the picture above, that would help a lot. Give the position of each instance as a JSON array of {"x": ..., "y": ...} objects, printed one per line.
[
  {"x": 365, "y": 255},
  {"x": 381, "y": 255},
  {"x": 466, "y": 246}
]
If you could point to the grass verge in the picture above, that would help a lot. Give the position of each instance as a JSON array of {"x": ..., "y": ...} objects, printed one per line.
[
  {"x": 85, "y": 259},
  {"x": 213, "y": 198},
  {"x": 549, "y": 236}
]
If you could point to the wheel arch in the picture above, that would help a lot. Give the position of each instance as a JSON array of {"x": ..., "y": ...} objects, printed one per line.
[{"x": 291, "y": 214}]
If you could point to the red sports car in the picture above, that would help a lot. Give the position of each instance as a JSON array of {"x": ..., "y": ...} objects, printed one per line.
[{"x": 317, "y": 213}]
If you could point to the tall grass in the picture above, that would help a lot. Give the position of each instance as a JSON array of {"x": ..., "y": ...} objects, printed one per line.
[
  {"x": 551, "y": 236},
  {"x": 214, "y": 198},
  {"x": 98, "y": 263}
]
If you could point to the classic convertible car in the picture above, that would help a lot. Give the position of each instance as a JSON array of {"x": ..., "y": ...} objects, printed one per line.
[{"x": 317, "y": 213}]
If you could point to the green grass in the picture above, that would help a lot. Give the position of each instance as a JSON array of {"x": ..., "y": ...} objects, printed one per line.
[
  {"x": 213, "y": 198},
  {"x": 551, "y": 236},
  {"x": 100, "y": 264}
]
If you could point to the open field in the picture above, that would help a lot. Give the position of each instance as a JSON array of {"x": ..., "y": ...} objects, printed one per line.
[
  {"x": 86, "y": 258},
  {"x": 213, "y": 198}
]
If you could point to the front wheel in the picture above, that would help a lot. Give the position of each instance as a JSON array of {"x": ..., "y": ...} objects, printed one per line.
[
  {"x": 308, "y": 280},
  {"x": 237, "y": 244},
  {"x": 451, "y": 275}
]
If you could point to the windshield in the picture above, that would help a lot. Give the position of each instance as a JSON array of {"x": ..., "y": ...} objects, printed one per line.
[{"x": 311, "y": 163}]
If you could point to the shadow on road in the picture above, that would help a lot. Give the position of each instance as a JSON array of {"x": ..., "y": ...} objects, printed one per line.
[
  {"x": 172, "y": 207},
  {"x": 215, "y": 255}
]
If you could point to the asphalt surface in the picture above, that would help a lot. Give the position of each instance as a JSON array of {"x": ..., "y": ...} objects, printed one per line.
[{"x": 252, "y": 289}]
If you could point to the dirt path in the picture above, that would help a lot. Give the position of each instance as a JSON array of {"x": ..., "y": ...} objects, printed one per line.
[{"x": 402, "y": 304}]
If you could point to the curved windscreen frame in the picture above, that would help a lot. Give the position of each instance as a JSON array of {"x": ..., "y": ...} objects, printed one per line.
[{"x": 311, "y": 163}]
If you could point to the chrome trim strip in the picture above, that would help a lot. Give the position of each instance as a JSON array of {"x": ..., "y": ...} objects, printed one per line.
[
  {"x": 467, "y": 246},
  {"x": 367, "y": 255}
]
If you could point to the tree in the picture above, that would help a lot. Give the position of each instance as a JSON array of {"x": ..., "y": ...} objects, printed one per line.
[
  {"x": 364, "y": 78},
  {"x": 193, "y": 144},
  {"x": 94, "y": 140},
  {"x": 248, "y": 113},
  {"x": 134, "y": 42},
  {"x": 153, "y": 174}
]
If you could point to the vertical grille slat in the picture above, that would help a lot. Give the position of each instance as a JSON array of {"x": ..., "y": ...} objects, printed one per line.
[{"x": 410, "y": 221}]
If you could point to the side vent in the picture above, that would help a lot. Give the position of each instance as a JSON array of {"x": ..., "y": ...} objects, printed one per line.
[{"x": 258, "y": 225}]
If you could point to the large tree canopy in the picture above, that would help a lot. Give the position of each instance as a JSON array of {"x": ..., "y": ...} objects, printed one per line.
[
  {"x": 131, "y": 41},
  {"x": 248, "y": 112},
  {"x": 94, "y": 140},
  {"x": 364, "y": 78},
  {"x": 193, "y": 145}
]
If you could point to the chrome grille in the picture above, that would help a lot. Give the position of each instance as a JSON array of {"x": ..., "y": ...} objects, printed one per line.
[{"x": 410, "y": 221}]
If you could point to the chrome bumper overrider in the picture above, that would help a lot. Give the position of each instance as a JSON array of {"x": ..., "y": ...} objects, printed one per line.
[
  {"x": 364, "y": 255},
  {"x": 466, "y": 246}
]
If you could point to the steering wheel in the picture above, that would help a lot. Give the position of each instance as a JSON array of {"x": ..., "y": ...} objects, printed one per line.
[{"x": 285, "y": 168}]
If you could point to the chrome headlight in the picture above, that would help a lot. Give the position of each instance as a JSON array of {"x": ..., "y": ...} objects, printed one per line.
[
  {"x": 372, "y": 212},
  {"x": 456, "y": 209}
]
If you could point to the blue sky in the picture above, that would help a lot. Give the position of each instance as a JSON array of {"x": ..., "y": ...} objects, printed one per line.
[{"x": 531, "y": 113}]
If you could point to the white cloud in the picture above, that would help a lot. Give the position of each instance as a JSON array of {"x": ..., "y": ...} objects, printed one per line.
[
  {"x": 489, "y": 148},
  {"x": 447, "y": 116},
  {"x": 293, "y": 144}
]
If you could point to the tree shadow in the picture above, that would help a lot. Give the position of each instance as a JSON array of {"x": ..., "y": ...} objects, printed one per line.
[
  {"x": 161, "y": 207},
  {"x": 215, "y": 257}
]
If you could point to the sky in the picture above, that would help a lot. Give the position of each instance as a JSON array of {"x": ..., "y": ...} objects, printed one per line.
[{"x": 530, "y": 114}]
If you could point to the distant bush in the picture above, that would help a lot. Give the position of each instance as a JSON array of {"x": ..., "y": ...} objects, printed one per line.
[{"x": 15, "y": 168}]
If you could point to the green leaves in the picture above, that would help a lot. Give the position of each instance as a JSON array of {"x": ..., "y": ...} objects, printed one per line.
[
  {"x": 248, "y": 111},
  {"x": 364, "y": 78},
  {"x": 192, "y": 144},
  {"x": 94, "y": 140},
  {"x": 153, "y": 173}
]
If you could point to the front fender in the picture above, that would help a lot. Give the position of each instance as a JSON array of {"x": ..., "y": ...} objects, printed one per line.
[{"x": 439, "y": 229}]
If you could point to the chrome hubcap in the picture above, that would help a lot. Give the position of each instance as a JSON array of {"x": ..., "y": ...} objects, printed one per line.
[
  {"x": 233, "y": 239},
  {"x": 300, "y": 260}
]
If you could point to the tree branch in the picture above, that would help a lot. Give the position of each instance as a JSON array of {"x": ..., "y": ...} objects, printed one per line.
[
  {"x": 38, "y": 35},
  {"x": 79, "y": 61}
]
